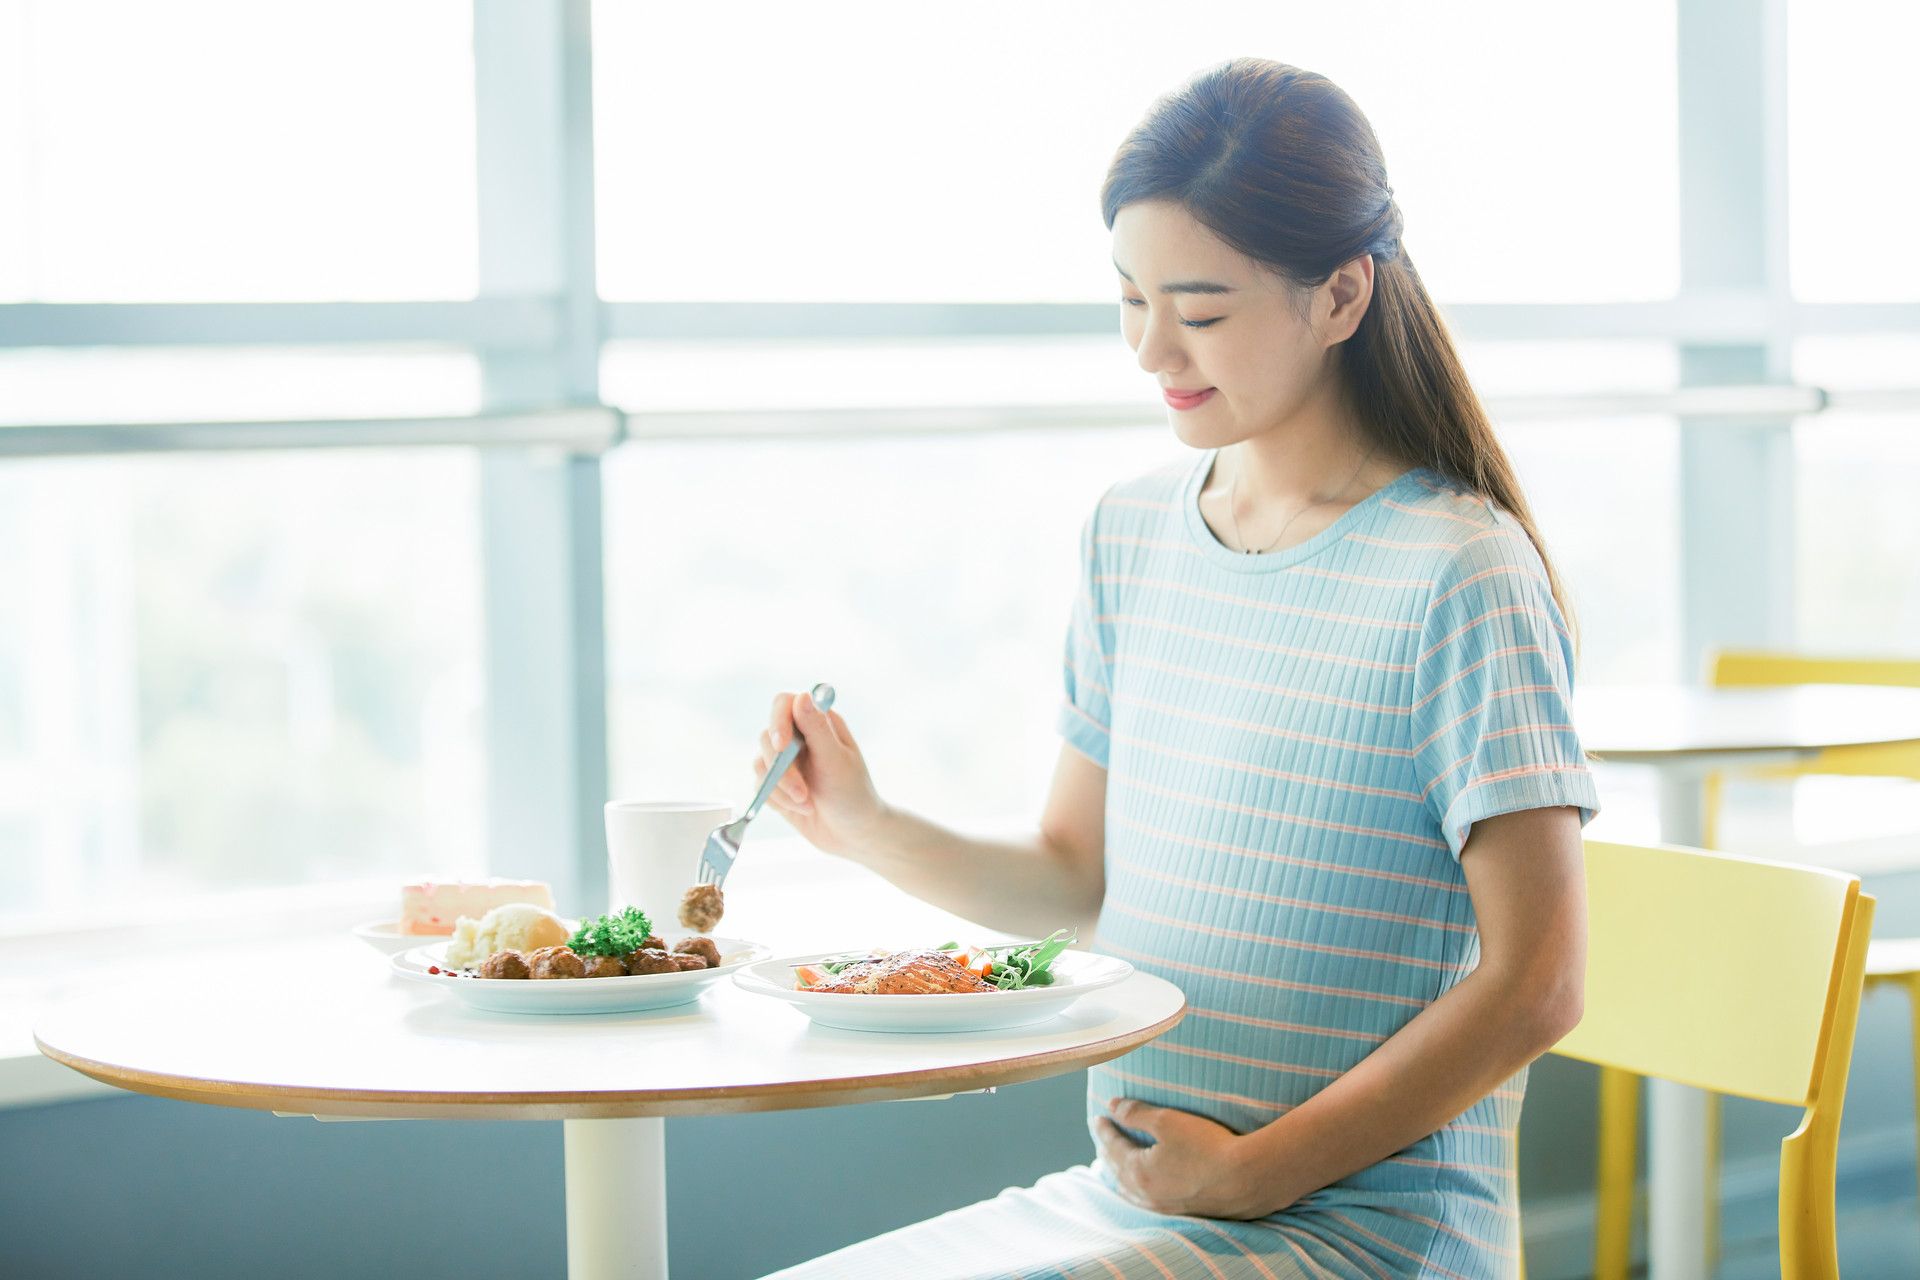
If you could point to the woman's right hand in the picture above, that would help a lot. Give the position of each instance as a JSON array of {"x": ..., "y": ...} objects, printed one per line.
[{"x": 827, "y": 795}]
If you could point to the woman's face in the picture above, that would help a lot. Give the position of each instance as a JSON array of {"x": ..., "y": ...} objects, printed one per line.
[{"x": 1206, "y": 319}]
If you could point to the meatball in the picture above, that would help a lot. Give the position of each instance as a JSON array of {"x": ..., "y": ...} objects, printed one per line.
[
  {"x": 605, "y": 967},
  {"x": 504, "y": 964},
  {"x": 556, "y": 962},
  {"x": 702, "y": 947},
  {"x": 684, "y": 960},
  {"x": 702, "y": 907},
  {"x": 654, "y": 942},
  {"x": 651, "y": 960}
]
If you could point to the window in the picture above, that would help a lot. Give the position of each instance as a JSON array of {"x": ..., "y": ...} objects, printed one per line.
[
  {"x": 221, "y": 672},
  {"x": 878, "y": 167},
  {"x": 220, "y": 150},
  {"x": 1851, "y": 101},
  {"x": 737, "y": 570},
  {"x": 1858, "y": 566}
]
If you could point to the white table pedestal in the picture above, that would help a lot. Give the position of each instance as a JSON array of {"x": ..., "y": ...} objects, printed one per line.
[{"x": 617, "y": 1199}]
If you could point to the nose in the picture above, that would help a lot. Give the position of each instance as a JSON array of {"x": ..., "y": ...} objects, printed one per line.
[{"x": 1159, "y": 350}]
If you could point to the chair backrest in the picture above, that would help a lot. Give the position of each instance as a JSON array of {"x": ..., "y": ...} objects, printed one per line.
[
  {"x": 1766, "y": 666},
  {"x": 1712, "y": 969},
  {"x": 1771, "y": 667},
  {"x": 1737, "y": 975}
]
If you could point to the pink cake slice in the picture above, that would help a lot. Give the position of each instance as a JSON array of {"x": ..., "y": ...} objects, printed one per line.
[{"x": 431, "y": 907}]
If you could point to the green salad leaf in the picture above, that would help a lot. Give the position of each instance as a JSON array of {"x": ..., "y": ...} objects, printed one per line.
[
  {"x": 612, "y": 935},
  {"x": 1028, "y": 964}
]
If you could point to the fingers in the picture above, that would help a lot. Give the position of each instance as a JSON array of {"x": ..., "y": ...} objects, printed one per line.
[
  {"x": 780, "y": 725},
  {"x": 840, "y": 730},
  {"x": 817, "y": 725},
  {"x": 1121, "y": 1155},
  {"x": 1114, "y": 1147},
  {"x": 1142, "y": 1117},
  {"x": 790, "y": 793}
]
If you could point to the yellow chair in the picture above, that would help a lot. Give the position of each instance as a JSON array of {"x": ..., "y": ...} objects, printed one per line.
[
  {"x": 1739, "y": 976},
  {"x": 1890, "y": 961}
]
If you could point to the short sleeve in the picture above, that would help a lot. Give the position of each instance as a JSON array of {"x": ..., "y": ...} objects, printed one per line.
[
  {"x": 1085, "y": 715},
  {"x": 1493, "y": 725}
]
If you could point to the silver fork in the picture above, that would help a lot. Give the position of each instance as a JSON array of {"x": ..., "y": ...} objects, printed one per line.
[{"x": 723, "y": 842}]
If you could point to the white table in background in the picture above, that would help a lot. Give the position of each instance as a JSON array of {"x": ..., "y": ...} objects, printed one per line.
[
  {"x": 1684, "y": 733},
  {"x": 341, "y": 1038}
]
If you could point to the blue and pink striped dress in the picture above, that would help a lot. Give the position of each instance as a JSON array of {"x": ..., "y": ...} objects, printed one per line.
[{"x": 1296, "y": 746}]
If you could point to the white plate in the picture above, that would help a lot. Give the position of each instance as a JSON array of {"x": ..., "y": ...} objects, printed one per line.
[
  {"x": 384, "y": 936},
  {"x": 1075, "y": 974},
  {"x": 577, "y": 995}
]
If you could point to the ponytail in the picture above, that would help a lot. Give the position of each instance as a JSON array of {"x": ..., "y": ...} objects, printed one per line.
[{"x": 1414, "y": 399}]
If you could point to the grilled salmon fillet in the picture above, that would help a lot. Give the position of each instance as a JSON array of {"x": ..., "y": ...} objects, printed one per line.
[{"x": 906, "y": 973}]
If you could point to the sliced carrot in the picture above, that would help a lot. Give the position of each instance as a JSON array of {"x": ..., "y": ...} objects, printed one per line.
[{"x": 807, "y": 976}]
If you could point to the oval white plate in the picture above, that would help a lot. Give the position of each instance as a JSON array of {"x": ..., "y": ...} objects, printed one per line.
[
  {"x": 384, "y": 936},
  {"x": 1075, "y": 974},
  {"x": 577, "y": 995}
]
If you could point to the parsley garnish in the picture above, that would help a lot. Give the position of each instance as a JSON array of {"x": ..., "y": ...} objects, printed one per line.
[{"x": 612, "y": 935}]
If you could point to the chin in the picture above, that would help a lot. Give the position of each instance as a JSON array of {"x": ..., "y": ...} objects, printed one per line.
[{"x": 1196, "y": 433}]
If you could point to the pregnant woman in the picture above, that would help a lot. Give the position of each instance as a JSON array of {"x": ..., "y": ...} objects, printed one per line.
[{"x": 1318, "y": 769}]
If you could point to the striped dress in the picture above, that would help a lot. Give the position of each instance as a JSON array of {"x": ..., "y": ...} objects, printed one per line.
[{"x": 1296, "y": 745}]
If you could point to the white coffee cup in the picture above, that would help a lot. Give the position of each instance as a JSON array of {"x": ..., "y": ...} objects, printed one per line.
[{"x": 653, "y": 852}]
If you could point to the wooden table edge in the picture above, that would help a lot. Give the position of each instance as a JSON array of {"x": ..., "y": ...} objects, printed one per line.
[{"x": 614, "y": 1104}]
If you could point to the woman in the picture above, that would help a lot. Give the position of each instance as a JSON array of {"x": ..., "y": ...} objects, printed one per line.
[{"x": 1319, "y": 770}]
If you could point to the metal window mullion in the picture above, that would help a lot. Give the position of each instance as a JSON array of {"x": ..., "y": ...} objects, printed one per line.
[
  {"x": 497, "y": 323},
  {"x": 540, "y": 510},
  {"x": 1736, "y": 485}
]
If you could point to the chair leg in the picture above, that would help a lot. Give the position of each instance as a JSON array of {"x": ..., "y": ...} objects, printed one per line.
[
  {"x": 1519, "y": 1231},
  {"x": 1710, "y": 1221},
  {"x": 1613, "y": 1200},
  {"x": 1912, "y": 984},
  {"x": 1710, "y": 788}
]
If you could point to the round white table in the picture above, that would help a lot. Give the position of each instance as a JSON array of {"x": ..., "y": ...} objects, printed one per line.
[
  {"x": 341, "y": 1038},
  {"x": 1685, "y": 732}
]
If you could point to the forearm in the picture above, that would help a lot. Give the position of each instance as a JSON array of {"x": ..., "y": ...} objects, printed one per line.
[
  {"x": 1456, "y": 1051},
  {"x": 1019, "y": 886}
]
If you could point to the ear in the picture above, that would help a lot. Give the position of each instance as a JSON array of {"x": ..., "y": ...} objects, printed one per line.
[{"x": 1345, "y": 297}]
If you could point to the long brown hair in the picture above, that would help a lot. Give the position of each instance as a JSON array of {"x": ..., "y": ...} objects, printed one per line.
[{"x": 1280, "y": 164}]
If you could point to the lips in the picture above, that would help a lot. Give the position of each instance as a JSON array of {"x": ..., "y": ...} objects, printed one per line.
[{"x": 1187, "y": 399}]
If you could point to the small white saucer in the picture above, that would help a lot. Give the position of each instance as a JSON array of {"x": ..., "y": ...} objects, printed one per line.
[{"x": 385, "y": 937}]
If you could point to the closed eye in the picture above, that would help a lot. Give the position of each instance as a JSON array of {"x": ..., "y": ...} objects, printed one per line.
[{"x": 1191, "y": 324}]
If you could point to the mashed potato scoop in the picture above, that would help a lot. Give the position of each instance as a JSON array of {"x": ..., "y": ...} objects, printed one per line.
[{"x": 514, "y": 926}]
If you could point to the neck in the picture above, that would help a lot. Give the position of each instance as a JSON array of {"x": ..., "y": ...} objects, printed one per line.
[{"x": 1311, "y": 456}]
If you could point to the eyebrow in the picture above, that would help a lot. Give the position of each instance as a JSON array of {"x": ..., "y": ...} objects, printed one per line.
[{"x": 1183, "y": 286}]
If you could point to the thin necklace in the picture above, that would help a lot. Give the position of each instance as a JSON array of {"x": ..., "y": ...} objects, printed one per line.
[{"x": 1233, "y": 507}]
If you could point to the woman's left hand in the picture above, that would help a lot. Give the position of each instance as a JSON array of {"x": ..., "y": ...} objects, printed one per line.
[{"x": 1196, "y": 1167}]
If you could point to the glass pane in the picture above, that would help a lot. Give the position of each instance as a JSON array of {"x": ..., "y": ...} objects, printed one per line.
[
  {"x": 939, "y": 622},
  {"x": 1851, "y": 103},
  {"x": 227, "y": 150},
  {"x": 1858, "y": 563},
  {"x": 45, "y": 386},
  {"x": 894, "y": 158},
  {"x": 238, "y": 671},
  {"x": 1622, "y": 574}
]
